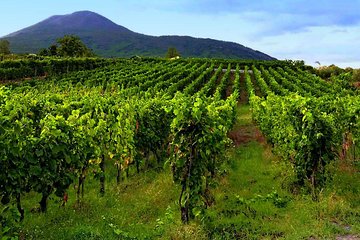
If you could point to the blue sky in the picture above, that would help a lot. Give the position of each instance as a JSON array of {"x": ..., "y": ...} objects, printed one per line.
[{"x": 324, "y": 30}]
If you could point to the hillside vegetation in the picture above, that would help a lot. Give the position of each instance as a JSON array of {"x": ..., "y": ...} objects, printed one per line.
[{"x": 108, "y": 39}]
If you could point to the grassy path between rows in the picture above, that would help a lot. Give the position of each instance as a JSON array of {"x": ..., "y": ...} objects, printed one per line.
[{"x": 254, "y": 199}]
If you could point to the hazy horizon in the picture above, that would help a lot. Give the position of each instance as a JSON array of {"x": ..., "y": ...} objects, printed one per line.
[{"x": 322, "y": 31}]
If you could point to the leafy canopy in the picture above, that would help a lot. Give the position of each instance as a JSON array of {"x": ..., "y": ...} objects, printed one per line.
[
  {"x": 4, "y": 47},
  {"x": 68, "y": 46},
  {"x": 72, "y": 46},
  {"x": 172, "y": 53}
]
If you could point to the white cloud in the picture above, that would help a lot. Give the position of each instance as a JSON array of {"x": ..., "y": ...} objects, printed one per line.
[
  {"x": 326, "y": 44},
  {"x": 275, "y": 35}
]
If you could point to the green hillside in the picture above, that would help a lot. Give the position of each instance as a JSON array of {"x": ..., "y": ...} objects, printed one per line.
[{"x": 108, "y": 39}]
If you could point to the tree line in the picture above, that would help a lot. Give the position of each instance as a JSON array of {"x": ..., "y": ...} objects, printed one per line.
[{"x": 71, "y": 46}]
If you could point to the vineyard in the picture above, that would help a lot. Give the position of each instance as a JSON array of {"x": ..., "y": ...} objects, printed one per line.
[{"x": 109, "y": 120}]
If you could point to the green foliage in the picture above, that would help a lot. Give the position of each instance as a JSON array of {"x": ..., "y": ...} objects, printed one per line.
[
  {"x": 4, "y": 47},
  {"x": 236, "y": 86},
  {"x": 44, "y": 52},
  {"x": 356, "y": 75},
  {"x": 327, "y": 71},
  {"x": 72, "y": 46},
  {"x": 51, "y": 51},
  {"x": 249, "y": 86},
  {"x": 151, "y": 135},
  {"x": 172, "y": 53},
  {"x": 220, "y": 92},
  {"x": 9, "y": 223},
  {"x": 306, "y": 131},
  {"x": 199, "y": 132},
  {"x": 210, "y": 86},
  {"x": 130, "y": 116},
  {"x": 25, "y": 68}
]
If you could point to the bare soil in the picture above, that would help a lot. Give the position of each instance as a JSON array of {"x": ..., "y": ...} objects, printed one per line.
[{"x": 245, "y": 134}]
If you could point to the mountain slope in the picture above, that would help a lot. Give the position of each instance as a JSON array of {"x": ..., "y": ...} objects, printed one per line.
[{"x": 111, "y": 40}]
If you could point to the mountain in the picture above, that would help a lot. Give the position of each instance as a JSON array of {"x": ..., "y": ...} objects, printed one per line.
[{"x": 108, "y": 39}]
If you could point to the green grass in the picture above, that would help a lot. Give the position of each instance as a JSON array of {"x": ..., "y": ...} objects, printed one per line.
[
  {"x": 130, "y": 209},
  {"x": 255, "y": 202},
  {"x": 142, "y": 207},
  {"x": 256, "y": 199}
]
